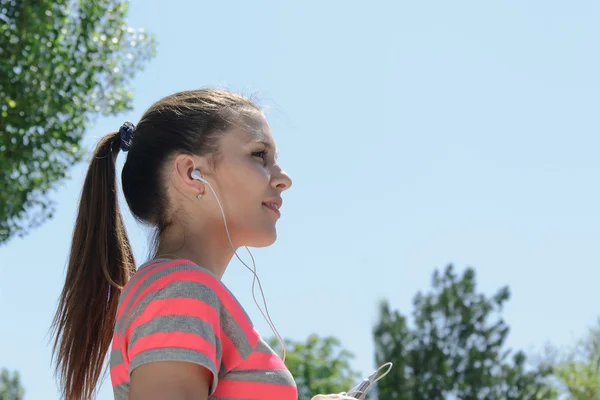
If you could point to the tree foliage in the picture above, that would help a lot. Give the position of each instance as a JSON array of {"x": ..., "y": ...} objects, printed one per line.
[
  {"x": 319, "y": 365},
  {"x": 10, "y": 386},
  {"x": 578, "y": 369},
  {"x": 62, "y": 62},
  {"x": 454, "y": 348}
]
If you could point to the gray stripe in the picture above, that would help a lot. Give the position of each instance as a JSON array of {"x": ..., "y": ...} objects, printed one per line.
[
  {"x": 177, "y": 323},
  {"x": 148, "y": 281},
  {"x": 116, "y": 358},
  {"x": 241, "y": 308},
  {"x": 235, "y": 333},
  {"x": 281, "y": 377},
  {"x": 121, "y": 391},
  {"x": 263, "y": 347},
  {"x": 175, "y": 354}
]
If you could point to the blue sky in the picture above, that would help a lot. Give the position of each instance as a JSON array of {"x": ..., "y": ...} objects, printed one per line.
[{"x": 417, "y": 133}]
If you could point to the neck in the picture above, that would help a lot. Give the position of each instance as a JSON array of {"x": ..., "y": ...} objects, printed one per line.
[{"x": 210, "y": 251}]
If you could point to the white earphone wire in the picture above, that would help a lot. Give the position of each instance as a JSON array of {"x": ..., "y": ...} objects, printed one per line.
[
  {"x": 254, "y": 279},
  {"x": 389, "y": 365}
]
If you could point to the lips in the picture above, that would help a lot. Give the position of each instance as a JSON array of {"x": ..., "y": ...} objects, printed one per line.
[{"x": 273, "y": 205}]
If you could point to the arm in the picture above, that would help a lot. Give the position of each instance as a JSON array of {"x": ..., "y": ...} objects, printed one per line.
[{"x": 170, "y": 380}]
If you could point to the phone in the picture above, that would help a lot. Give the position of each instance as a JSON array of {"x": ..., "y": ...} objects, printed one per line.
[{"x": 360, "y": 390}]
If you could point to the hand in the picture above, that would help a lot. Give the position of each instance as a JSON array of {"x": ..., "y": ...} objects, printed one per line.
[{"x": 339, "y": 396}]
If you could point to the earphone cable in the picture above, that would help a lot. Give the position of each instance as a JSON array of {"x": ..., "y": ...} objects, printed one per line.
[{"x": 254, "y": 279}]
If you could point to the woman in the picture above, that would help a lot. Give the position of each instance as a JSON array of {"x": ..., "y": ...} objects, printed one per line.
[{"x": 173, "y": 329}]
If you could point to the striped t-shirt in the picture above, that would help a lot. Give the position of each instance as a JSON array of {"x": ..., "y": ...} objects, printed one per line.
[{"x": 177, "y": 311}]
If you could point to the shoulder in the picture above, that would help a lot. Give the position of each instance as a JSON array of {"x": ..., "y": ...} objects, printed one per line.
[
  {"x": 178, "y": 278},
  {"x": 162, "y": 272},
  {"x": 181, "y": 287},
  {"x": 176, "y": 310}
]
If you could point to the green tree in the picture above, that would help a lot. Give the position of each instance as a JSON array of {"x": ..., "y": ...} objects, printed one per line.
[
  {"x": 578, "y": 369},
  {"x": 454, "y": 349},
  {"x": 319, "y": 365},
  {"x": 10, "y": 386},
  {"x": 62, "y": 63}
]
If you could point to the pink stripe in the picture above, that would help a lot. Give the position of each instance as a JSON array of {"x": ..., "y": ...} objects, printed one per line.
[
  {"x": 263, "y": 361},
  {"x": 119, "y": 374},
  {"x": 231, "y": 357},
  {"x": 255, "y": 390},
  {"x": 116, "y": 343}
]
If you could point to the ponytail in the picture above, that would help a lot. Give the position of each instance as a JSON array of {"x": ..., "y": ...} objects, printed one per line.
[{"x": 100, "y": 264}]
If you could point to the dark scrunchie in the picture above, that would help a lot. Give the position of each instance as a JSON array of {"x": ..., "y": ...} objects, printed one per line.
[{"x": 126, "y": 131}]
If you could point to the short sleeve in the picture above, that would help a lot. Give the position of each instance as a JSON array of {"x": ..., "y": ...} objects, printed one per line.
[{"x": 177, "y": 318}]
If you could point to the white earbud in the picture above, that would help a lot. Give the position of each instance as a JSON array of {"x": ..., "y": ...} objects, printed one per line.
[{"x": 198, "y": 176}]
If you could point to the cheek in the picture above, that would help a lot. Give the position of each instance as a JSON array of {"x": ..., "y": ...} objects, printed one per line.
[
  {"x": 247, "y": 186},
  {"x": 254, "y": 178}
]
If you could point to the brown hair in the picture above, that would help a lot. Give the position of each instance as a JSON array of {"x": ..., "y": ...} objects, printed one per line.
[{"x": 101, "y": 260}]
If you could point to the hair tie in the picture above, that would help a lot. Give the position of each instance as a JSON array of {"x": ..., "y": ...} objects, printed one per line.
[{"x": 126, "y": 132}]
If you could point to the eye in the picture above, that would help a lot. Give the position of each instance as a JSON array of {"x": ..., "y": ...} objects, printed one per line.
[{"x": 262, "y": 154}]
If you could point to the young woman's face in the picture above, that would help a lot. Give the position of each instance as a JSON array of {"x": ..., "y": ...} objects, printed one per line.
[{"x": 249, "y": 182}]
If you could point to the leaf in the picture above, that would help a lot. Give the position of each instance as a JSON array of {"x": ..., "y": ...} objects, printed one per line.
[
  {"x": 319, "y": 365},
  {"x": 10, "y": 386},
  {"x": 455, "y": 346},
  {"x": 55, "y": 82}
]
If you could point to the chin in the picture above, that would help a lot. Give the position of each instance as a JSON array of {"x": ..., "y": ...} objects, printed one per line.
[{"x": 264, "y": 238}]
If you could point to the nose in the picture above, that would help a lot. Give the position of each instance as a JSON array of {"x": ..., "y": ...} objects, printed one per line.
[{"x": 280, "y": 180}]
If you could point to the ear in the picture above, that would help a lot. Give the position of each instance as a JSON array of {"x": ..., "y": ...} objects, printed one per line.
[{"x": 183, "y": 165}]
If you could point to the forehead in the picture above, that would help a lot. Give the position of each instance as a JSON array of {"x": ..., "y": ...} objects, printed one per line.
[{"x": 252, "y": 129}]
